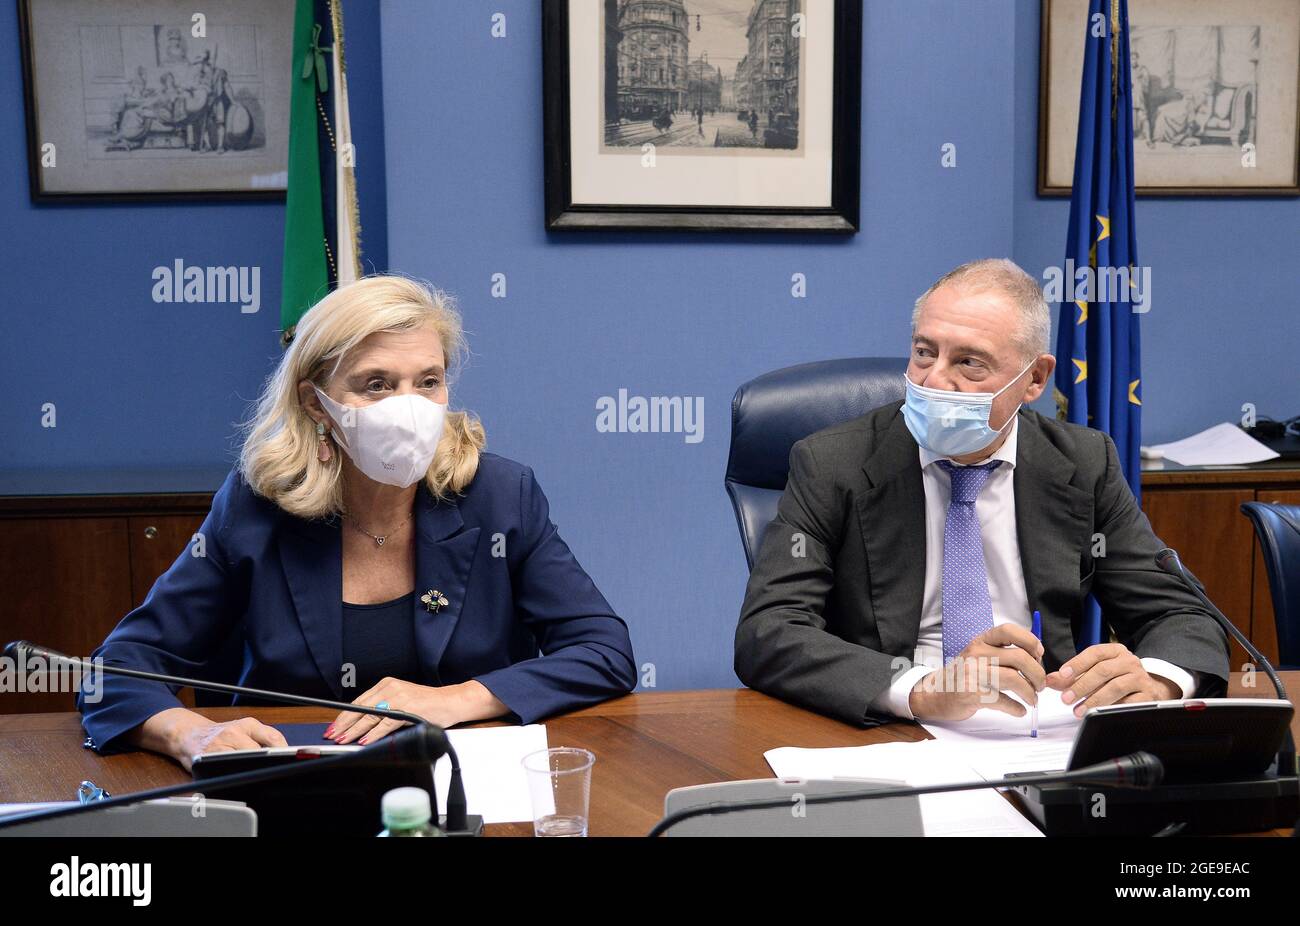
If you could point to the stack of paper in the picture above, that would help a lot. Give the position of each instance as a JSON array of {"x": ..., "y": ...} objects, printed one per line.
[{"x": 1222, "y": 445}]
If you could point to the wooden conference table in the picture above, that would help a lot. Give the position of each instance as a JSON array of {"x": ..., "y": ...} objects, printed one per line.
[{"x": 645, "y": 744}]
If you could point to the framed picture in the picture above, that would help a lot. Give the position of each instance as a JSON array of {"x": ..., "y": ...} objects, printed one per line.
[
  {"x": 1216, "y": 96},
  {"x": 704, "y": 115},
  {"x": 155, "y": 99}
]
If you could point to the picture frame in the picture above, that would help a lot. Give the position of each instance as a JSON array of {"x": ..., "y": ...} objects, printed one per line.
[
  {"x": 1216, "y": 96},
  {"x": 757, "y": 128},
  {"x": 149, "y": 100}
]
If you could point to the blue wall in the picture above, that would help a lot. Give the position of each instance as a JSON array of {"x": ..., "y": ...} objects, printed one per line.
[
  {"x": 454, "y": 130},
  {"x": 138, "y": 383},
  {"x": 589, "y": 314}
]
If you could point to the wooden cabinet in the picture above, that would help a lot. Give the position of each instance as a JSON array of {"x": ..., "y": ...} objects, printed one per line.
[
  {"x": 1198, "y": 513},
  {"x": 1214, "y": 540},
  {"x": 64, "y": 586},
  {"x": 155, "y": 542},
  {"x": 72, "y": 566}
]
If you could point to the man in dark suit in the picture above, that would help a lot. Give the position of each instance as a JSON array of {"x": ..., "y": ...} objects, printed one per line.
[{"x": 912, "y": 545}]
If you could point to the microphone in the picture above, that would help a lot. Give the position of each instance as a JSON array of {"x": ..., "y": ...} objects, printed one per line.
[
  {"x": 1140, "y": 770},
  {"x": 1167, "y": 559},
  {"x": 21, "y": 650}
]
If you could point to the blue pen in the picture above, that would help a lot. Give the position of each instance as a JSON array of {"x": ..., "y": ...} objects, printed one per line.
[{"x": 1033, "y": 711}]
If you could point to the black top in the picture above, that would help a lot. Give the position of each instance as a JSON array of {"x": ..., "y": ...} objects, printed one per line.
[{"x": 379, "y": 641}]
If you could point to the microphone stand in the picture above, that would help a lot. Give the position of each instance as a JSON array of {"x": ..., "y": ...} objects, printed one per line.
[
  {"x": 457, "y": 817},
  {"x": 1168, "y": 561}
]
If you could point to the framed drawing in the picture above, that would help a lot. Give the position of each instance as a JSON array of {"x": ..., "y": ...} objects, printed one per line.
[
  {"x": 1216, "y": 96},
  {"x": 150, "y": 99},
  {"x": 705, "y": 115}
]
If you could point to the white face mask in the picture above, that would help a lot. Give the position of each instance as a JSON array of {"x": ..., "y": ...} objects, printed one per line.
[{"x": 392, "y": 441}]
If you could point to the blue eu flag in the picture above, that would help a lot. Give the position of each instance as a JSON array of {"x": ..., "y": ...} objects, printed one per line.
[{"x": 1098, "y": 376}]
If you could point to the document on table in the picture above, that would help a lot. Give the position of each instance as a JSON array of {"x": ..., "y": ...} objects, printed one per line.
[
  {"x": 996, "y": 744},
  {"x": 962, "y": 813},
  {"x": 1222, "y": 445},
  {"x": 496, "y": 785}
]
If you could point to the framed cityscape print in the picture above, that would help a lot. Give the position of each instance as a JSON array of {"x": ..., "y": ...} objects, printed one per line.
[
  {"x": 156, "y": 99},
  {"x": 703, "y": 115},
  {"x": 1216, "y": 96}
]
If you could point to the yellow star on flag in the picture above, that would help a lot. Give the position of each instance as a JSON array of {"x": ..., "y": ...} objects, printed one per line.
[
  {"x": 1083, "y": 370},
  {"x": 1105, "y": 227},
  {"x": 1083, "y": 311},
  {"x": 1132, "y": 392}
]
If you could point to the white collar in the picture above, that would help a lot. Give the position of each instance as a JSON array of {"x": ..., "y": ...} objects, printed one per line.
[{"x": 1007, "y": 452}]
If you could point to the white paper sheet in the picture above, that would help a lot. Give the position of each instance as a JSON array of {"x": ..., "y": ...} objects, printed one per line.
[
  {"x": 496, "y": 785},
  {"x": 964, "y": 813},
  {"x": 995, "y": 744},
  {"x": 1222, "y": 445}
]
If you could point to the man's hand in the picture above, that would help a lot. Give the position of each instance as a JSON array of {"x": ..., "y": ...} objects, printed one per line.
[
  {"x": 1006, "y": 658},
  {"x": 1108, "y": 673}
]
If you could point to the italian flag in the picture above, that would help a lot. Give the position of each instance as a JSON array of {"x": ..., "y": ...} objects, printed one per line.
[{"x": 322, "y": 227}]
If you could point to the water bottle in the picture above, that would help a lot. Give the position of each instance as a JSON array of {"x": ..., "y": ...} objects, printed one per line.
[{"x": 406, "y": 812}]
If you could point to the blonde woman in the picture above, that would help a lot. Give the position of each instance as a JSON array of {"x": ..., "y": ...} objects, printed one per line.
[{"x": 366, "y": 549}]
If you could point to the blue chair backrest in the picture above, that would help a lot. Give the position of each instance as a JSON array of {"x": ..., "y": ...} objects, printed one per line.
[
  {"x": 772, "y": 412},
  {"x": 1278, "y": 529}
]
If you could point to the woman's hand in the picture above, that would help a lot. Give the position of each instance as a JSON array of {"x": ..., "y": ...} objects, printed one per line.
[
  {"x": 445, "y": 707},
  {"x": 183, "y": 734},
  {"x": 245, "y": 733}
]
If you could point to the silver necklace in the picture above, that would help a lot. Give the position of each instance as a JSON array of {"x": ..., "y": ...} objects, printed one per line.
[{"x": 379, "y": 538}]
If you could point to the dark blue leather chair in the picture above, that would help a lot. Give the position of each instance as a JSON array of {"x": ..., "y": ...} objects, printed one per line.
[
  {"x": 773, "y": 411},
  {"x": 1278, "y": 529}
]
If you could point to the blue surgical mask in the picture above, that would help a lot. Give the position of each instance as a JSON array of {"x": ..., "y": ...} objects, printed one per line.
[{"x": 952, "y": 424}]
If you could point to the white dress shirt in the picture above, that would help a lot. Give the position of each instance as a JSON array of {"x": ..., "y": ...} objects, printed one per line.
[{"x": 995, "y": 507}]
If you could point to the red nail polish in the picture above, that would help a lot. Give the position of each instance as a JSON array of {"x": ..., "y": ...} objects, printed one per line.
[
  {"x": 329, "y": 731},
  {"x": 363, "y": 741}
]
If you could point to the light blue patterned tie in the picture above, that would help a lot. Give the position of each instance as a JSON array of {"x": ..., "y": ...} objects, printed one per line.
[{"x": 967, "y": 610}]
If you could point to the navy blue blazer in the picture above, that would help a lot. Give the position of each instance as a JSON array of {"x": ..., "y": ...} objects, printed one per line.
[{"x": 512, "y": 586}]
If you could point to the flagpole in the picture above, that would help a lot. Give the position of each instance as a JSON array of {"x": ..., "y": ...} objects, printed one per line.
[{"x": 347, "y": 211}]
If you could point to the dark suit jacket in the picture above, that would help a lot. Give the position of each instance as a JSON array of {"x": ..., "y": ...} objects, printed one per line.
[
  {"x": 823, "y": 630},
  {"x": 276, "y": 581}
]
